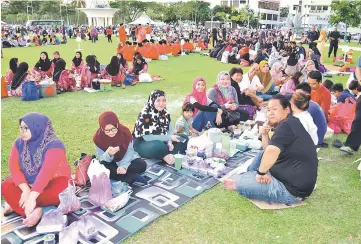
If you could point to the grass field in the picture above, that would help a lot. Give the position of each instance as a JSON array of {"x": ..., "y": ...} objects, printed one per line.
[{"x": 332, "y": 213}]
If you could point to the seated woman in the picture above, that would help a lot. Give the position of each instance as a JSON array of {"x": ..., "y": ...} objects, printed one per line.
[
  {"x": 153, "y": 132},
  {"x": 62, "y": 77},
  {"x": 250, "y": 84},
  {"x": 266, "y": 81},
  {"x": 38, "y": 167},
  {"x": 90, "y": 71},
  {"x": 43, "y": 66},
  {"x": 13, "y": 66},
  {"x": 139, "y": 67},
  {"x": 309, "y": 66},
  {"x": 77, "y": 64},
  {"x": 289, "y": 88},
  {"x": 114, "y": 73},
  {"x": 114, "y": 148},
  {"x": 122, "y": 63},
  {"x": 204, "y": 112},
  {"x": 244, "y": 53},
  {"x": 225, "y": 96},
  {"x": 19, "y": 77},
  {"x": 56, "y": 55},
  {"x": 300, "y": 102},
  {"x": 277, "y": 74}
]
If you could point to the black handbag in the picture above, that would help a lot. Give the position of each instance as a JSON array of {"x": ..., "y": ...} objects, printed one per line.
[{"x": 232, "y": 116}]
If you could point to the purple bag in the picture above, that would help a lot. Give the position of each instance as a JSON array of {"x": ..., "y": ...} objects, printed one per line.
[
  {"x": 69, "y": 202},
  {"x": 100, "y": 191},
  {"x": 251, "y": 110}
]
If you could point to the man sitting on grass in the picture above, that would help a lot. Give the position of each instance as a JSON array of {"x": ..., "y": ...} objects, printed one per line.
[
  {"x": 287, "y": 171},
  {"x": 340, "y": 93}
]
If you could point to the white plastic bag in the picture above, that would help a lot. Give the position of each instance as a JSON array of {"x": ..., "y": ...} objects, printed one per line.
[
  {"x": 201, "y": 144},
  {"x": 117, "y": 203},
  {"x": 145, "y": 78},
  {"x": 163, "y": 57},
  {"x": 70, "y": 234},
  {"x": 52, "y": 221},
  {"x": 86, "y": 227},
  {"x": 96, "y": 168}
]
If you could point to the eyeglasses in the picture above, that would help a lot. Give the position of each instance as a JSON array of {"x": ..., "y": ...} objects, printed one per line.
[
  {"x": 110, "y": 130},
  {"x": 23, "y": 128}
]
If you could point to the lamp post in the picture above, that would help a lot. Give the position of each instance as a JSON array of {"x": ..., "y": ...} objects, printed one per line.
[
  {"x": 27, "y": 11},
  {"x": 162, "y": 17}
]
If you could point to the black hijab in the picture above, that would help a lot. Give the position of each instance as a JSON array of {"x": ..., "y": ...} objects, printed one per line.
[
  {"x": 316, "y": 51},
  {"x": 94, "y": 65},
  {"x": 77, "y": 61},
  {"x": 44, "y": 65},
  {"x": 13, "y": 65},
  {"x": 113, "y": 67},
  {"x": 59, "y": 67},
  {"x": 20, "y": 75},
  {"x": 138, "y": 67}
]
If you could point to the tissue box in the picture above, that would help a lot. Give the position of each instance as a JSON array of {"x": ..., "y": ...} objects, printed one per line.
[{"x": 47, "y": 90}]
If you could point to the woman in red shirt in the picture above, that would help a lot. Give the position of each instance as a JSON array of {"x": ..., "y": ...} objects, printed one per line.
[{"x": 38, "y": 168}]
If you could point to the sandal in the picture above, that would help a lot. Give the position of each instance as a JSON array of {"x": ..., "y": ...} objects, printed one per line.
[
  {"x": 337, "y": 143},
  {"x": 348, "y": 150}
]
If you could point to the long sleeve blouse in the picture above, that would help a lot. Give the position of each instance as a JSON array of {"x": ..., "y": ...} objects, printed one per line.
[{"x": 212, "y": 94}]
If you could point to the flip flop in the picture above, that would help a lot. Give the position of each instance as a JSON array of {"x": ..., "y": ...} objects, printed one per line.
[
  {"x": 337, "y": 143},
  {"x": 348, "y": 150}
]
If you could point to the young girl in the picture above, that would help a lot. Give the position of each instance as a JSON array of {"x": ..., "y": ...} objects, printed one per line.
[
  {"x": 43, "y": 66},
  {"x": 184, "y": 122},
  {"x": 114, "y": 73},
  {"x": 139, "y": 67},
  {"x": 62, "y": 77},
  {"x": 13, "y": 66},
  {"x": 90, "y": 71},
  {"x": 290, "y": 86},
  {"x": 77, "y": 63},
  {"x": 56, "y": 55}
]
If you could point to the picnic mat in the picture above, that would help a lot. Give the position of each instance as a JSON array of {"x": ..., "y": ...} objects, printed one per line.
[{"x": 168, "y": 189}]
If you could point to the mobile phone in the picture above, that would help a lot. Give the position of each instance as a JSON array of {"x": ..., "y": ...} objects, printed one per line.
[{"x": 182, "y": 139}]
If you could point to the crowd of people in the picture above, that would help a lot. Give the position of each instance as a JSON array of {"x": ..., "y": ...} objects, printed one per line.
[{"x": 284, "y": 171}]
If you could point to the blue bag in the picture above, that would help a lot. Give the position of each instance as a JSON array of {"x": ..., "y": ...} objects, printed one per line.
[
  {"x": 128, "y": 79},
  {"x": 30, "y": 91}
]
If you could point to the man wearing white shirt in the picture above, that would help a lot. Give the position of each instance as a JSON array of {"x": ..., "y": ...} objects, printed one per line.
[{"x": 251, "y": 83}]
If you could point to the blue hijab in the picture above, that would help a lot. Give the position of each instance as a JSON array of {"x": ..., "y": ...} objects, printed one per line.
[{"x": 32, "y": 153}]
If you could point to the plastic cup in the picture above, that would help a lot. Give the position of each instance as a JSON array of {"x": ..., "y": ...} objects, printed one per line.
[
  {"x": 49, "y": 239},
  {"x": 178, "y": 161}
]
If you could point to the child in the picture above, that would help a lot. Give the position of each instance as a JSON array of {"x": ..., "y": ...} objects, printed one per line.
[{"x": 184, "y": 123}]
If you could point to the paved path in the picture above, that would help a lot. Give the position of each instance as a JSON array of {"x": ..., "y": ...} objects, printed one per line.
[{"x": 341, "y": 46}]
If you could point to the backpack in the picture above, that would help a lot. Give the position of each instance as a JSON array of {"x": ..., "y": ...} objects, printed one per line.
[{"x": 30, "y": 91}]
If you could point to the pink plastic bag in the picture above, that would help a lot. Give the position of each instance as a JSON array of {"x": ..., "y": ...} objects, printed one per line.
[
  {"x": 100, "y": 191},
  {"x": 342, "y": 115},
  {"x": 69, "y": 202}
]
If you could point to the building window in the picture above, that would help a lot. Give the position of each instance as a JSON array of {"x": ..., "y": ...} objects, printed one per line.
[
  {"x": 295, "y": 7},
  {"x": 269, "y": 16},
  {"x": 319, "y": 7},
  {"x": 264, "y": 16},
  {"x": 268, "y": 5},
  {"x": 275, "y": 17},
  {"x": 313, "y": 7},
  {"x": 325, "y": 8}
]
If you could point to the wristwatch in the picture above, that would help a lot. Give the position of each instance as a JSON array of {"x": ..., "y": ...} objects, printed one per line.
[{"x": 259, "y": 173}]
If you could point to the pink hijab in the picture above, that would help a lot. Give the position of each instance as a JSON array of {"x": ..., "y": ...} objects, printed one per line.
[
  {"x": 201, "y": 97},
  {"x": 276, "y": 76}
]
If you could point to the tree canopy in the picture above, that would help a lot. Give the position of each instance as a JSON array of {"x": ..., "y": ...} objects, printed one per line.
[{"x": 347, "y": 12}]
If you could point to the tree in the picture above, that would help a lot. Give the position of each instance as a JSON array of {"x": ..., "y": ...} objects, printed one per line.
[
  {"x": 129, "y": 9},
  {"x": 284, "y": 12},
  {"x": 347, "y": 12}
]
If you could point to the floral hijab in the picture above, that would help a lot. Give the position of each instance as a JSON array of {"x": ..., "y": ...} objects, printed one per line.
[{"x": 151, "y": 121}]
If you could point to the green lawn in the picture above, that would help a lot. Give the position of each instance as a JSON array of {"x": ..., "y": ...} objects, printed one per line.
[{"x": 332, "y": 213}]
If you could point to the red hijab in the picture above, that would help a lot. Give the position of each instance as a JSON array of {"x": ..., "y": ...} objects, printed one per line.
[
  {"x": 121, "y": 139},
  {"x": 201, "y": 97}
]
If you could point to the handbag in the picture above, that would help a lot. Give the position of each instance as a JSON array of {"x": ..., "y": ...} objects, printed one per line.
[
  {"x": 120, "y": 201},
  {"x": 96, "y": 168},
  {"x": 70, "y": 234},
  {"x": 232, "y": 116},
  {"x": 100, "y": 190},
  {"x": 128, "y": 80},
  {"x": 250, "y": 109},
  {"x": 81, "y": 173},
  {"x": 52, "y": 221},
  {"x": 69, "y": 202}
]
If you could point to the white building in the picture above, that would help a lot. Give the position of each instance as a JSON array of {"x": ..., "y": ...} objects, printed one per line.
[
  {"x": 313, "y": 12},
  {"x": 269, "y": 10}
]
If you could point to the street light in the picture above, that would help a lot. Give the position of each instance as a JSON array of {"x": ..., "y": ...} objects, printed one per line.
[{"x": 27, "y": 11}]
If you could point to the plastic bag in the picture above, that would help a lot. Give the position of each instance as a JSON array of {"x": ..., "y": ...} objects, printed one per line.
[
  {"x": 100, "y": 190},
  {"x": 96, "y": 168},
  {"x": 118, "y": 188},
  {"x": 86, "y": 227},
  {"x": 220, "y": 153},
  {"x": 70, "y": 234},
  {"x": 145, "y": 78},
  {"x": 52, "y": 221},
  {"x": 342, "y": 115},
  {"x": 69, "y": 202},
  {"x": 117, "y": 203},
  {"x": 81, "y": 173}
]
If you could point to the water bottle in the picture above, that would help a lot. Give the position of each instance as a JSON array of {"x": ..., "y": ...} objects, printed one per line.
[
  {"x": 225, "y": 141},
  {"x": 208, "y": 126}
]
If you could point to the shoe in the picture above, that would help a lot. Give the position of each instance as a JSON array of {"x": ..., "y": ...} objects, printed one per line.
[
  {"x": 141, "y": 179},
  {"x": 348, "y": 150},
  {"x": 337, "y": 143}
]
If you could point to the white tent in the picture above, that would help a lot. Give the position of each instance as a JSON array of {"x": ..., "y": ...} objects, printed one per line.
[{"x": 143, "y": 20}]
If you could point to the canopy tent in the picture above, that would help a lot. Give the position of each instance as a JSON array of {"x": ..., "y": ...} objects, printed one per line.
[{"x": 143, "y": 20}]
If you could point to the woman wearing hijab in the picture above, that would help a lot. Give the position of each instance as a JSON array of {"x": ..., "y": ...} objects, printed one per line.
[
  {"x": 114, "y": 73},
  {"x": 259, "y": 57},
  {"x": 19, "y": 77},
  {"x": 90, "y": 71},
  {"x": 56, "y": 55},
  {"x": 225, "y": 96},
  {"x": 43, "y": 66},
  {"x": 266, "y": 81},
  {"x": 276, "y": 73},
  {"x": 204, "y": 111},
  {"x": 321, "y": 43},
  {"x": 62, "y": 77},
  {"x": 77, "y": 64},
  {"x": 153, "y": 131},
  {"x": 140, "y": 66},
  {"x": 39, "y": 170},
  {"x": 13, "y": 66},
  {"x": 309, "y": 66},
  {"x": 114, "y": 148}
]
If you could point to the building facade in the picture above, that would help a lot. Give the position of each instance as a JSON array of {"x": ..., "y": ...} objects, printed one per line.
[{"x": 268, "y": 10}]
